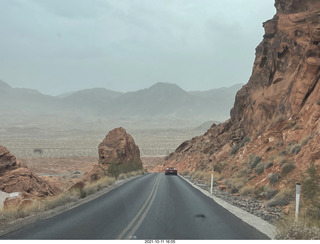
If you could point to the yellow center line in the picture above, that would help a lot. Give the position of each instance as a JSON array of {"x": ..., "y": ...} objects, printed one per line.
[{"x": 146, "y": 207}]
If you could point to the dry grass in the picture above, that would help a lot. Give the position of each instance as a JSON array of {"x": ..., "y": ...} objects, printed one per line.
[
  {"x": 247, "y": 190},
  {"x": 37, "y": 206},
  {"x": 303, "y": 229},
  {"x": 96, "y": 186},
  {"x": 60, "y": 200},
  {"x": 202, "y": 176}
]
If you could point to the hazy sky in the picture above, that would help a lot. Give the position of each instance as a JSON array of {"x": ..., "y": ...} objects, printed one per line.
[{"x": 57, "y": 46}]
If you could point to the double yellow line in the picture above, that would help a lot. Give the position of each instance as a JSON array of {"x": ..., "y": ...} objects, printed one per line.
[{"x": 132, "y": 227}]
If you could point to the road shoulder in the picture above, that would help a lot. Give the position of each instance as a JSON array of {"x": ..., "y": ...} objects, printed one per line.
[{"x": 258, "y": 223}]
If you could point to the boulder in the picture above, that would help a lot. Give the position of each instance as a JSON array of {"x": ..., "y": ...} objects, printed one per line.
[
  {"x": 119, "y": 147},
  {"x": 16, "y": 177}
]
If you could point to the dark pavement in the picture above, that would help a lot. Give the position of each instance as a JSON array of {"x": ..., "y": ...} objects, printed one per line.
[{"x": 154, "y": 206}]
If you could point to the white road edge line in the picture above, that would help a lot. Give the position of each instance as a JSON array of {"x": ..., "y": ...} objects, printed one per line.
[{"x": 256, "y": 222}]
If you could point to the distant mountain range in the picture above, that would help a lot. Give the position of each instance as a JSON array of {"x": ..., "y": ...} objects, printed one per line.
[{"x": 160, "y": 103}]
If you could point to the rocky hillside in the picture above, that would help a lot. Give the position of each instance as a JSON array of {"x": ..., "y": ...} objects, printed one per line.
[{"x": 273, "y": 133}]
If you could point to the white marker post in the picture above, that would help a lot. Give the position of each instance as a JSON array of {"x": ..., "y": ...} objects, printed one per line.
[
  {"x": 211, "y": 182},
  {"x": 298, "y": 186}
]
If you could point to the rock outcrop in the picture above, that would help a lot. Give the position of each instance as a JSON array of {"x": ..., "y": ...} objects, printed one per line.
[
  {"x": 119, "y": 147},
  {"x": 278, "y": 110},
  {"x": 16, "y": 177},
  {"x": 118, "y": 150}
]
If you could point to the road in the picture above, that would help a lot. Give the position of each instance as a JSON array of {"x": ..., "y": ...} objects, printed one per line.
[{"x": 154, "y": 206}]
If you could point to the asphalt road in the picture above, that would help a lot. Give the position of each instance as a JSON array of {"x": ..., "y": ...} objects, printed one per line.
[{"x": 155, "y": 206}]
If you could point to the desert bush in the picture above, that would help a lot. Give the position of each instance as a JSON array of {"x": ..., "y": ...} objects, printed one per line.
[
  {"x": 115, "y": 169},
  {"x": 218, "y": 168},
  {"x": 260, "y": 168},
  {"x": 304, "y": 229},
  {"x": 247, "y": 190},
  {"x": 293, "y": 148},
  {"x": 283, "y": 153},
  {"x": 96, "y": 186},
  {"x": 269, "y": 165},
  {"x": 273, "y": 178},
  {"x": 311, "y": 183},
  {"x": 243, "y": 142},
  {"x": 318, "y": 102},
  {"x": 270, "y": 194},
  {"x": 282, "y": 198},
  {"x": 260, "y": 193},
  {"x": 287, "y": 168},
  {"x": 185, "y": 172},
  {"x": 235, "y": 184},
  {"x": 254, "y": 160}
]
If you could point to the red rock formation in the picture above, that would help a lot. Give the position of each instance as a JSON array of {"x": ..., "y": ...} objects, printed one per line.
[
  {"x": 279, "y": 105},
  {"x": 119, "y": 147},
  {"x": 16, "y": 177}
]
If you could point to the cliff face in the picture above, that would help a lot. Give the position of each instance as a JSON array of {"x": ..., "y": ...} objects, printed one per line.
[
  {"x": 279, "y": 107},
  {"x": 285, "y": 77}
]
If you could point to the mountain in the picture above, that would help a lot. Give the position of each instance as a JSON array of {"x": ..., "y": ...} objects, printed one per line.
[
  {"x": 273, "y": 133},
  {"x": 92, "y": 101},
  {"x": 161, "y": 103}
]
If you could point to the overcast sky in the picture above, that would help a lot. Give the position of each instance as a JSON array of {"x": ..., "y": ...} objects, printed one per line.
[{"x": 58, "y": 46}]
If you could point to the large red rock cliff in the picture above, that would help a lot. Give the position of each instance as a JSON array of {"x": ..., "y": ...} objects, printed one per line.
[{"x": 279, "y": 107}]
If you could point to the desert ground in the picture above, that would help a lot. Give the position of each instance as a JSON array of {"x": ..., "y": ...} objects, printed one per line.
[{"x": 63, "y": 157}]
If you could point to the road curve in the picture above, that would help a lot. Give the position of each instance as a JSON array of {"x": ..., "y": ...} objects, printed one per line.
[{"x": 154, "y": 206}]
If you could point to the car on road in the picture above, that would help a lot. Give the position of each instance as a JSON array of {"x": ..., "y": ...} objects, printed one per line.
[{"x": 171, "y": 171}]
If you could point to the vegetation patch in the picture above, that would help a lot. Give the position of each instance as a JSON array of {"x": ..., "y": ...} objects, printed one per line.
[
  {"x": 115, "y": 169},
  {"x": 282, "y": 198},
  {"x": 274, "y": 178},
  {"x": 254, "y": 160},
  {"x": 260, "y": 168},
  {"x": 293, "y": 148},
  {"x": 287, "y": 168},
  {"x": 247, "y": 190},
  {"x": 236, "y": 148},
  {"x": 304, "y": 229}
]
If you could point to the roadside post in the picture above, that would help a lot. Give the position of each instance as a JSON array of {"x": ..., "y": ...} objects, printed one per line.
[
  {"x": 298, "y": 186},
  {"x": 211, "y": 182}
]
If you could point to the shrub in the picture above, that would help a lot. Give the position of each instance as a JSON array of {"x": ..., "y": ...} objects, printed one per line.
[
  {"x": 247, "y": 190},
  {"x": 282, "y": 162},
  {"x": 243, "y": 142},
  {"x": 293, "y": 148},
  {"x": 274, "y": 178},
  {"x": 260, "y": 193},
  {"x": 281, "y": 199},
  {"x": 218, "y": 168},
  {"x": 311, "y": 183},
  {"x": 260, "y": 168},
  {"x": 115, "y": 169},
  {"x": 269, "y": 165},
  {"x": 235, "y": 184},
  {"x": 271, "y": 193},
  {"x": 185, "y": 172},
  {"x": 289, "y": 229},
  {"x": 287, "y": 168},
  {"x": 254, "y": 161},
  {"x": 318, "y": 102}
]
